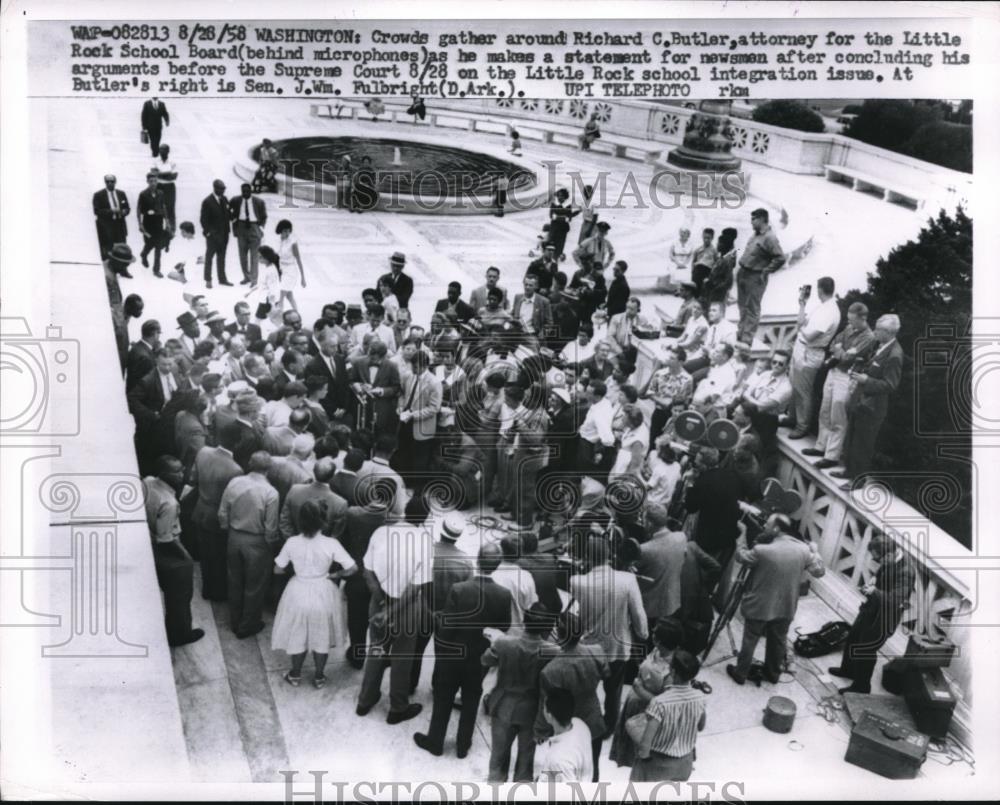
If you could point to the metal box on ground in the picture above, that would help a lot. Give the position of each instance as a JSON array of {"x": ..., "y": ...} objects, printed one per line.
[{"x": 886, "y": 747}]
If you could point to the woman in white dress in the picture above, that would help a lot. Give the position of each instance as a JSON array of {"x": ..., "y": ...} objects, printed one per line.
[
  {"x": 267, "y": 291},
  {"x": 292, "y": 273},
  {"x": 311, "y": 614}
]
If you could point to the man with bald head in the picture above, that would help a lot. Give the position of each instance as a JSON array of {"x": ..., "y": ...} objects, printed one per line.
[
  {"x": 278, "y": 439},
  {"x": 331, "y": 365},
  {"x": 319, "y": 490},
  {"x": 295, "y": 468},
  {"x": 249, "y": 511},
  {"x": 111, "y": 210}
]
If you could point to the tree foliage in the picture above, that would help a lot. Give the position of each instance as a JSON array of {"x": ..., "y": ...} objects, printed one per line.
[
  {"x": 927, "y": 282},
  {"x": 927, "y": 130},
  {"x": 789, "y": 115}
]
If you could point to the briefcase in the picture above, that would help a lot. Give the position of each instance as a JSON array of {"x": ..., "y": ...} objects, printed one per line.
[
  {"x": 924, "y": 652},
  {"x": 886, "y": 747},
  {"x": 930, "y": 699},
  {"x": 144, "y": 137}
]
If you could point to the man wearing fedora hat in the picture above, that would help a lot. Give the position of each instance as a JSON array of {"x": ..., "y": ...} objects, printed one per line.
[
  {"x": 217, "y": 334},
  {"x": 116, "y": 265},
  {"x": 400, "y": 283},
  {"x": 153, "y": 222}
]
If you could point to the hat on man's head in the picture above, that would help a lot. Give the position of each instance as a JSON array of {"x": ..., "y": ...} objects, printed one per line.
[
  {"x": 398, "y": 258},
  {"x": 562, "y": 394},
  {"x": 237, "y": 387},
  {"x": 453, "y": 526},
  {"x": 186, "y": 318},
  {"x": 571, "y": 294},
  {"x": 604, "y": 226},
  {"x": 121, "y": 253},
  {"x": 688, "y": 285},
  {"x": 214, "y": 316}
]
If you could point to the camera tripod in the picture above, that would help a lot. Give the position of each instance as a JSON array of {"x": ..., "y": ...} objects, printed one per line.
[{"x": 724, "y": 621}]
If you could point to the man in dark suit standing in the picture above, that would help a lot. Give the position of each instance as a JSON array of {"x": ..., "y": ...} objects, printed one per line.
[
  {"x": 249, "y": 217},
  {"x": 141, "y": 360},
  {"x": 376, "y": 380},
  {"x": 880, "y": 613},
  {"x": 876, "y": 380},
  {"x": 215, "y": 216},
  {"x": 331, "y": 366},
  {"x": 459, "y": 644},
  {"x": 713, "y": 492},
  {"x": 243, "y": 326},
  {"x": 154, "y": 116},
  {"x": 345, "y": 481},
  {"x": 112, "y": 209},
  {"x": 152, "y": 211},
  {"x": 401, "y": 284}
]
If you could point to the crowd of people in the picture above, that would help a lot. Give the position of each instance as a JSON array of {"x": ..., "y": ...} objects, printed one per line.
[{"x": 322, "y": 472}]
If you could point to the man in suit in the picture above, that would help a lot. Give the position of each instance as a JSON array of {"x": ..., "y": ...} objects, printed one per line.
[
  {"x": 141, "y": 360},
  {"x": 876, "y": 380},
  {"x": 544, "y": 269},
  {"x": 545, "y": 572},
  {"x": 154, "y": 117},
  {"x": 400, "y": 283},
  {"x": 453, "y": 304},
  {"x": 600, "y": 365},
  {"x": 278, "y": 439},
  {"x": 619, "y": 293},
  {"x": 533, "y": 311},
  {"x": 319, "y": 490},
  {"x": 376, "y": 382},
  {"x": 332, "y": 367},
  {"x": 660, "y": 563},
  {"x": 612, "y": 614},
  {"x": 459, "y": 643},
  {"x": 111, "y": 209},
  {"x": 885, "y": 600},
  {"x": 451, "y": 565},
  {"x": 243, "y": 326},
  {"x": 345, "y": 480},
  {"x": 214, "y": 468},
  {"x": 147, "y": 398},
  {"x": 620, "y": 329},
  {"x": 419, "y": 404},
  {"x": 249, "y": 216},
  {"x": 284, "y": 472},
  {"x": 477, "y": 299},
  {"x": 153, "y": 224},
  {"x": 777, "y": 561},
  {"x": 215, "y": 217},
  {"x": 360, "y": 523},
  {"x": 713, "y": 492},
  {"x": 249, "y": 511}
]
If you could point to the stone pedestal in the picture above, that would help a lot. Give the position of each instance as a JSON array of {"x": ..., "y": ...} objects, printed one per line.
[{"x": 708, "y": 141}]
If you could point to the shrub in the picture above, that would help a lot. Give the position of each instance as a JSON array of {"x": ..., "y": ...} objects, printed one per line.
[
  {"x": 945, "y": 144},
  {"x": 789, "y": 115}
]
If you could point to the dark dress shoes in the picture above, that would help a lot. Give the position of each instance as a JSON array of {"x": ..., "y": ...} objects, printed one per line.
[
  {"x": 127, "y": 275},
  {"x": 226, "y": 283},
  {"x": 853, "y": 689},
  {"x": 735, "y": 675},
  {"x": 797, "y": 434},
  {"x": 424, "y": 742},
  {"x": 462, "y": 752},
  {"x": 812, "y": 451},
  {"x": 411, "y": 711},
  {"x": 825, "y": 464},
  {"x": 193, "y": 637},
  {"x": 250, "y": 632},
  {"x": 838, "y": 671},
  {"x": 363, "y": 711}
]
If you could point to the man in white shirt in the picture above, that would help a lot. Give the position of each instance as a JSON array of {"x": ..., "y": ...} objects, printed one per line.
[
  {"x": 516, "y": 580},
  {"x": 398, "y": 568},
  {"x": 377, "y": 327},
  {"x": 765, "y": 402},
  {"x": 816, "y": 330},
  {"x": 186, "y": 255},
  {"x": 597, "y": 438},
  {"x": 580, "y": 350},
  {"x": 166, "y": 170},
  {"x": 718, "y": 384},
  {"x": 567, "y": 756},
  {"x": 277, "y": 412},
  {"x": 720, "y": 330}
]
